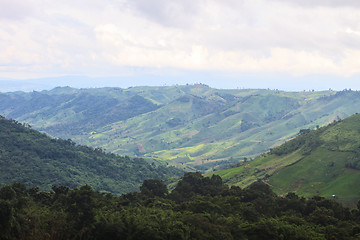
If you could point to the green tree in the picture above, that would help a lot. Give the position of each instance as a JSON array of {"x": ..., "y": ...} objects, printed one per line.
[{"x": 154, "y": 187}]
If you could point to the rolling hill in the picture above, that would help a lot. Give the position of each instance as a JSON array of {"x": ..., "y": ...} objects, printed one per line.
[
  {"x": 35, "y": 159},
  {"x": 194, "y": 126},
  {"x": 324, "y": 161}
]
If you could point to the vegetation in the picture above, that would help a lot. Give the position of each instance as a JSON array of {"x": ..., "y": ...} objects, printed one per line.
[
  {"x": 33, "y": 158},
  {"x": 65, "y": 112},
  {"x": 57, "y": 189},
  {"x": 198, "y": 208},
  {"x": 323, "y": 161},
  {"x": 193, "y": 126}
]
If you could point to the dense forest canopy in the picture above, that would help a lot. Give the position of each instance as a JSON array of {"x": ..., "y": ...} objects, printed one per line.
[
  {"x": 35, "y": 159},
  {"x": 198, "y": 208}
]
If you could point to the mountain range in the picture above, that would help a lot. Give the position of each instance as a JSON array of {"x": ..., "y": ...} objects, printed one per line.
[{"x": 190, "y": 126}]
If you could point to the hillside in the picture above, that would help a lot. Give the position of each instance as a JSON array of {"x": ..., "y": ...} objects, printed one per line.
[
  {"x": 33, "y": 158},
  {"x": 65, "y": 112},
  {"x": 324, "y": 161},
  {"x": 194, "y": 126}
]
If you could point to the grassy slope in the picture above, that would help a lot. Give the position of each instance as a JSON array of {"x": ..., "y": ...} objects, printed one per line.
[{"x": 320, "y": 167}]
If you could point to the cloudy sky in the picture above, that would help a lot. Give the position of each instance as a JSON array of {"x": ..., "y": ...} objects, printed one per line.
[{"x": 285, "y": 44}]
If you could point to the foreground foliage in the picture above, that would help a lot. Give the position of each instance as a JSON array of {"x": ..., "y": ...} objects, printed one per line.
[{"x": 198, "y": 208}]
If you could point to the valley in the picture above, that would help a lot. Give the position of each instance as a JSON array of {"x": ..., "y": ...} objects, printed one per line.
[
  {"x": 281, "y": 159},
  {"x": 179, "y": 120},
  {"x": 244, "y": 136},
  {"x": 193, "y": 127}
]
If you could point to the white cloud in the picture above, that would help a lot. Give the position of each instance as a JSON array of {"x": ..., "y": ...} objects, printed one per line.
[{"x": 94, "y": 37}]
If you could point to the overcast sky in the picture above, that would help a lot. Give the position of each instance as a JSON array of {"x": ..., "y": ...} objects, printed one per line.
[{"x": 289, "y": 44}]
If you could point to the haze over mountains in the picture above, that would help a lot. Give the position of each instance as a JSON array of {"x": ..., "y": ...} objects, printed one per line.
[{"x": 191, "y": 126}]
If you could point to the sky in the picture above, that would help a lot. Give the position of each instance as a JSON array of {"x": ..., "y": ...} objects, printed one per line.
[{"x": 277, "y": 44}]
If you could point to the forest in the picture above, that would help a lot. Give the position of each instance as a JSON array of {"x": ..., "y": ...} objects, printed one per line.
[
  {"x": 35, "y": 159},
  {"x": 197, "y": 208}
]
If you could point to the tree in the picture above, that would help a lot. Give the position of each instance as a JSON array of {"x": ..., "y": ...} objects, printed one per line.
[
  {"x": 194, "y": 183},
  {"x": 154, "y": 187}
]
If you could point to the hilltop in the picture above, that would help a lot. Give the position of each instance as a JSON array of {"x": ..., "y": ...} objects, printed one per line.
[
  {"x": 324, "y": 161},
  {"x": 35, "y": 159},
  {"x": 193, "y": 126}
]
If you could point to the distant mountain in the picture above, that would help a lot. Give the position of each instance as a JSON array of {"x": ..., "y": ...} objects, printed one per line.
[
  {"x": 65, "y": 112},
  {"x": 192, "y": 126},
  {"x": 324, "y": 161},
  {"x": 33, "y": 158}
]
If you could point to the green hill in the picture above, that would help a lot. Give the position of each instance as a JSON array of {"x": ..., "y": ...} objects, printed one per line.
[
  {"x": 194, "y": 126},
  {"x": 33, "y": 158},
  {"x": 65, "y": 112},
  {"x": 324, "y": 161}
]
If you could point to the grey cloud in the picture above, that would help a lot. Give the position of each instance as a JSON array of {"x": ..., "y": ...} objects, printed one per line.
[
  {"x": 16, "y": 9},
  {"x": 63, "y": 34},
  {"x": 257, "y": 25},
  {"x": 179, "y": 13},
  {"x": 168, "y": 13},
  {"x": 325, "y": 3},
  {"x": 350, "y": 39}
]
